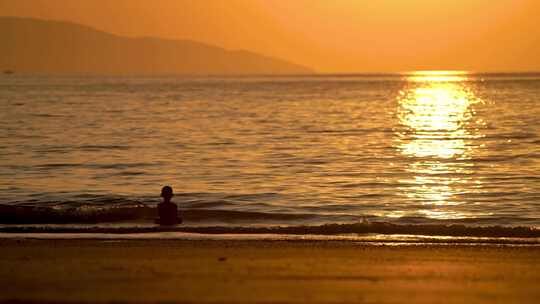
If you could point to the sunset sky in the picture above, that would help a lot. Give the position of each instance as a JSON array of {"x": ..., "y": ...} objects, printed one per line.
[{"x": 330, "y": 36}]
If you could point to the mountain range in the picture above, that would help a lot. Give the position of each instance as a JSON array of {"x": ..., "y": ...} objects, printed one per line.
[{"x": 56, "y": 47}]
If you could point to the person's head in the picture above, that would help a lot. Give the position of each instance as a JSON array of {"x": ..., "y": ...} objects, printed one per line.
[{"x": 166, "y": 192}]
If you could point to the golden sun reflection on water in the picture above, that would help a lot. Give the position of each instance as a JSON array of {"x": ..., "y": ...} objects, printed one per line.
[
  {"x": 437, "y": 76},
  {"x": 437, "y": 118}
]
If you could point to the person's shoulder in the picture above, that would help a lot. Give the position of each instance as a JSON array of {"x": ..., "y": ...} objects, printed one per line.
[{"x": 170, "y": 205}]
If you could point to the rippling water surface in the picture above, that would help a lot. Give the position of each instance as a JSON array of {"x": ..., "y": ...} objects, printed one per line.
[{"x": 406, "y": 149}]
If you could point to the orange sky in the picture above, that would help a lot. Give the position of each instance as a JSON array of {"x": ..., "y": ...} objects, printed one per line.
[{"x": 327, "y": 35}]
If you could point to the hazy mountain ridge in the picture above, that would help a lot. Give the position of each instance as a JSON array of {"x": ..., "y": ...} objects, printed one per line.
[{"x": 42, "y": 46}]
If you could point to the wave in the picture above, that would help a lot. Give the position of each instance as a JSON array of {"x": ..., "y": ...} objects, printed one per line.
[
  {"x": 124, "y": 217},
  {"x": 83, "y": 214},
  {"x": 362, "y": 228},
  {"x": 199, "y": 208},
  {"x": 131, "y": 211}
]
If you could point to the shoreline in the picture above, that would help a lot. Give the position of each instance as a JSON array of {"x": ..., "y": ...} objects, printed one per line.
[
  {"x": 264, "y": 271},
  {"x": 329, "y": 229},
  {"x": 367, "y": 239}
]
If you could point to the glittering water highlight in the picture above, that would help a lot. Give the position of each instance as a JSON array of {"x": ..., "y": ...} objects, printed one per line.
[{"x": 423, "y": 148}]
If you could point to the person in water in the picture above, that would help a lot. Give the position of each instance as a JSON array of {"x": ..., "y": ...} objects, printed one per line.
[{"x": 167, "y": 210}]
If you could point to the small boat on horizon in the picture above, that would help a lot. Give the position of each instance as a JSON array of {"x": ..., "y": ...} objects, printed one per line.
[{"x": 9, "y": 72}]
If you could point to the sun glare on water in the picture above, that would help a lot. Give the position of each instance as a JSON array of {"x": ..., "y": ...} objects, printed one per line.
[
  {"x": 437, "y": 118},
  {"x": 436, "y": 76}
]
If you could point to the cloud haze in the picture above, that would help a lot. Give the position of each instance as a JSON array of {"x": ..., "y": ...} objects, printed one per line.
[{"x": 329, "y": 36}]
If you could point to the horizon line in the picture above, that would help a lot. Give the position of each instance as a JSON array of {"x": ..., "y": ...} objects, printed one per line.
[{"x": 13, "y": 72}]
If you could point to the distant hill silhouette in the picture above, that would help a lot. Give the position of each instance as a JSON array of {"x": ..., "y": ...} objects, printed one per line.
[{"x": 42, "y": 46}]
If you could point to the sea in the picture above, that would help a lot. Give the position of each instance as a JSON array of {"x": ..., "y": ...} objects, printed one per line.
[{"x": 435, "y": 153}]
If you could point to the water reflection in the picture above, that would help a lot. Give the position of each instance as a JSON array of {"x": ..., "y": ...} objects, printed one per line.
[{"x": 438, "y": 128}]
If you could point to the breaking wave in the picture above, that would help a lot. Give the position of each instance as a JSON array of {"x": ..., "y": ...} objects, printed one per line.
[
  {"x": 326, "y": 229},
  {"x": 129, "y": 218}
]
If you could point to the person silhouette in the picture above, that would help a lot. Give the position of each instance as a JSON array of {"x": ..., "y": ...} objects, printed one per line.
[{"x": 167, "y": 210}]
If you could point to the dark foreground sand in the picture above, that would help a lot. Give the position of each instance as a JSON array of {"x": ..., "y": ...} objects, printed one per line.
[{"x": 137, "y": 271}]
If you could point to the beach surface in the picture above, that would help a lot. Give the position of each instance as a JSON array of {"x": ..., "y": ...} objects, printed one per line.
[{"x": 229, "y": 271}]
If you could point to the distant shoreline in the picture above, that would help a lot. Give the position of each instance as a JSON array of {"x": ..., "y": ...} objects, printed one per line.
[
  {"x": 314, "y": 75},
  {"x": 32, "y": 45}
]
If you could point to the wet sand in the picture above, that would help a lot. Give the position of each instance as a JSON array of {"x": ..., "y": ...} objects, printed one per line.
[{"x": 151, "y": 271}]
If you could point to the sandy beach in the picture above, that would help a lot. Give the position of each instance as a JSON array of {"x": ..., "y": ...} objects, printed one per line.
[{"x": 177, "y": 271}]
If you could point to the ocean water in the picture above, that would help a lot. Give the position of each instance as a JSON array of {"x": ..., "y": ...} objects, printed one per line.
[{"x": 346, "y": 152}]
